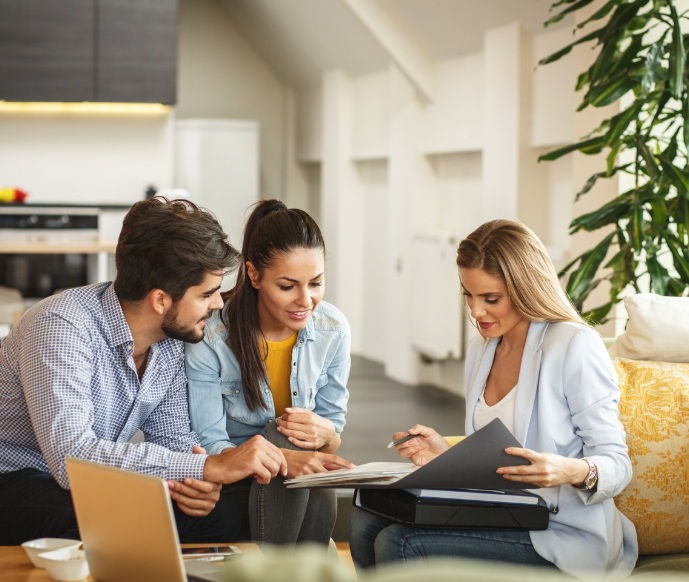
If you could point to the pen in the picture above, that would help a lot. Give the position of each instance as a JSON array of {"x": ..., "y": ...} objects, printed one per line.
[{"x": 404, "y": 439}]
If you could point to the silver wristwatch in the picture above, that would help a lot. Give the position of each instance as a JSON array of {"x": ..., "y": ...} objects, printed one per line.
[{"x": 591, "y": 479}]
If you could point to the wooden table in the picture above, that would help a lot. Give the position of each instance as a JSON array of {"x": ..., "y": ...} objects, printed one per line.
[{"x": 15, "y": 565}]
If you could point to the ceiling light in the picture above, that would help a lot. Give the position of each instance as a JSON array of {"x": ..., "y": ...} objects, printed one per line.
[{"x": 84, "y": 107}]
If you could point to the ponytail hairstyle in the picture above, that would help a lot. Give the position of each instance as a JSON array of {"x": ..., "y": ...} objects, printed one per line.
[
  {"x": 510, "y": 251},
  {"x": 270, "y": 230}
]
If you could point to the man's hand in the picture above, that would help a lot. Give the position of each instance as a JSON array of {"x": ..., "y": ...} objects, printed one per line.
[
  {"x": 307, "y": 430},
  {"x": 195, "y": 497},
  {"x": 307, "y": 462},
  {"x": 256, "y": 457}
]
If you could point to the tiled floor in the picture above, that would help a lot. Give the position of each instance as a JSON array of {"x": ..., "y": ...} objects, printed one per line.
[{"x": 378, "y": 407}]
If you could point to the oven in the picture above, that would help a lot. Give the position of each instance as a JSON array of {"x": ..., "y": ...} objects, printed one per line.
[{"x": 44, "y": 249}]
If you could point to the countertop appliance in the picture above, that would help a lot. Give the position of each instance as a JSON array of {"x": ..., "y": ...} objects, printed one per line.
[{"x": 44, "y": 248}]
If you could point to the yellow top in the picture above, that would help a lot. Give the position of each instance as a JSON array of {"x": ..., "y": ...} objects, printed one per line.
[{"x": 278, "y": 367}]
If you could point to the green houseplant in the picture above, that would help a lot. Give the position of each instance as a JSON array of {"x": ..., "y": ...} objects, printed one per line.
[{"x": 642, "y": 63}]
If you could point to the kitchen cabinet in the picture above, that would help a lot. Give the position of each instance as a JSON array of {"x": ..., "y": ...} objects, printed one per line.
[
  {"x": 88, "y": 50},
  {"x": 46, "y": 50},
  {"x": 137, "y": 51}
]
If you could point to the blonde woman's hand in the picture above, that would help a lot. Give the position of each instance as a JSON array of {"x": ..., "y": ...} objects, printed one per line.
[
  {"x": 306, "y": 429},
  {"x": 545, "y": 469},
  {"x": 427, "y": 445}
]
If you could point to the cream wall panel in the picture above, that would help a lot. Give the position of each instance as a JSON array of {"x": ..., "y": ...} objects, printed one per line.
[
  {"x": 454, "y": 120},
  {"x": 553, "y": 110},
  {"x": 375, "y": 287},
  {"x": 371, "y": 116},
  {"x": 309, "y": 125}
]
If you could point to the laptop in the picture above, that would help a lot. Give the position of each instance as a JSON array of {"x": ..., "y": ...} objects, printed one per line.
[{"x": 128, "y": 528}]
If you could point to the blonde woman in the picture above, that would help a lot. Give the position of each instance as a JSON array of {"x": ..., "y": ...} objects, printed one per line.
[{"x": 547, "y": 375}]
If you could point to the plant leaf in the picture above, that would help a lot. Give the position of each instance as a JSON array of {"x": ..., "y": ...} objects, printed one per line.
[
  {"x": 654, "y": 67},
  {"x": 566, "y": 11},
  {"x": 649, "y": 161},
  {"x": 581, "y": 278},
  {"x": 678, "y": 261},
  {"x": 678, "y": 177},
  {"x": 620, "y": 122},
  {"x": 591, "y": 182},
  {"x": 685, "y": 133},
  {"x": 659, "y": 276},
  {"x": 566, "y": 50},
  {"x": 600, "y": 13},
  {"x": 636, "y": 228},
  {"x": 606, "y": 93},
  {"x": 588, "y": 146},
  {"x": 609, "y": 213},
  {"x": 677, "y": 55},
  {"x": 597, "y": 315}
]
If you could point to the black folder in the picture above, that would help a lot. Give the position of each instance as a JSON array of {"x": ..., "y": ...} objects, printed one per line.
[{"x": 405, "y": 507}]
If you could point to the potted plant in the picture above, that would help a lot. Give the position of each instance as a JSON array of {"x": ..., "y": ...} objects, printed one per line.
[{"x": 642, "y": 64}]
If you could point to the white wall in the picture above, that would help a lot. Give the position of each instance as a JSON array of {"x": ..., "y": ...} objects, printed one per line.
[
  {"x": 467, "y": 156},
  {"x": 85, "y": 158},
  {"x": 221, "y": 76}
]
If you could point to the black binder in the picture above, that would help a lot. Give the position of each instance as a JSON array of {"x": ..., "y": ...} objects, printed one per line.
[{"x": 405, "y": 507}]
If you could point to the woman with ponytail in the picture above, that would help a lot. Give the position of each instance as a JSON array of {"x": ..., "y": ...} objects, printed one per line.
[{"x": 275, "y": 361}]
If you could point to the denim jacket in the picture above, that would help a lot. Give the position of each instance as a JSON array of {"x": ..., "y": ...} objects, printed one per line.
[{"x": 318, "y": 381}]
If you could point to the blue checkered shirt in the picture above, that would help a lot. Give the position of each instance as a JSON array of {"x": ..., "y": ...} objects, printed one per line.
[{"x": 69, "y": 388}]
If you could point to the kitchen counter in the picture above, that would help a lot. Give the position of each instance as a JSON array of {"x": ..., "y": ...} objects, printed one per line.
[
  {"x": 30, "y": 205},
  {"x": 53, "y": 248}
]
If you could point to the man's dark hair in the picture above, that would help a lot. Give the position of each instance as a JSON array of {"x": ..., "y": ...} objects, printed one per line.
[{"x": 169, "y": 245}]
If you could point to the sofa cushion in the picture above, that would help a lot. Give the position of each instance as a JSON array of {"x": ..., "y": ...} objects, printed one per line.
[
  {"x": 658, "y": 329},
  {"x": 654, "y": 409}
]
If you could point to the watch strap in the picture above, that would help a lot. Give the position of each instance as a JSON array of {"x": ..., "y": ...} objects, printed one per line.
[{"x": 591, "y": 479}]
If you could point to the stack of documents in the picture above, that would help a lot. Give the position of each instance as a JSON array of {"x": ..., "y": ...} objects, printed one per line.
[{"x": 367, "y": 474}]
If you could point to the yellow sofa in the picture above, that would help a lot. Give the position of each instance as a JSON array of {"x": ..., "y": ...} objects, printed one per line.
[{"x": 652, "y": 362}]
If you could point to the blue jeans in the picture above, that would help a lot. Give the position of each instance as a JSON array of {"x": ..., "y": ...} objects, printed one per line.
[{"x": 375, "y": 540}]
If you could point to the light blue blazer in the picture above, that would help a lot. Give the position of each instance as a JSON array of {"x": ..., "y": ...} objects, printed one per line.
[{"x": 566, "y": 403}]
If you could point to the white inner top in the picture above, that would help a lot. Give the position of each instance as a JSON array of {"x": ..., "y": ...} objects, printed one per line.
[{"x": 504, "y": 410}]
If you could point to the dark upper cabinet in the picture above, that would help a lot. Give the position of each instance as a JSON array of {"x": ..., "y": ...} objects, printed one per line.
[
  {"x": 137, "y": 51},
  {"x": 47, "y": 50},
  {"x": 88, "y": 50}
]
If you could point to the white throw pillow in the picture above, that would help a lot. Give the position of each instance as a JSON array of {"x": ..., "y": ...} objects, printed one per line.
[{"x": 658, "y": 329}]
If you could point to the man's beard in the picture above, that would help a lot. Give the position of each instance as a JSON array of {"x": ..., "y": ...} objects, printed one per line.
[{"x": 174, "y": 330}]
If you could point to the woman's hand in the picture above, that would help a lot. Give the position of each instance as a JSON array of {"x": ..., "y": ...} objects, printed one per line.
[
  {"x": 426, "y": 447},
  {"x": 546, "y": 469},
  {"x": 307, "y": 430},
  {"x": 307, "y": 462}
]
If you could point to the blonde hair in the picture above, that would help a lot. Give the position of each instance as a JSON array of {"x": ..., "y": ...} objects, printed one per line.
[{"x": 511, "y": 251}]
